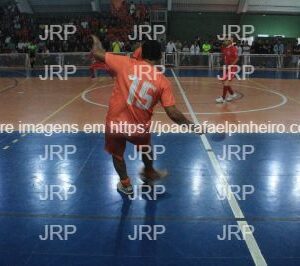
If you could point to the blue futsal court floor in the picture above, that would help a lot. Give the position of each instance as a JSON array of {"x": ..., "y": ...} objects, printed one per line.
[{"x": 192, "y": 210}]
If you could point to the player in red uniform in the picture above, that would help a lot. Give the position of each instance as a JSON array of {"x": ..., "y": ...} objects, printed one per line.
[
  {"x": 98, "y": 65},
  {"x": 230, "y": 57},
  {"x": 132, "y": 101}
]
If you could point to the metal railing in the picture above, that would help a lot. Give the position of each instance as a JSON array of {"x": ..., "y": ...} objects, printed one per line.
[
  {"x": 179, "y": 59},
  {"x": 214, "y": 60}
]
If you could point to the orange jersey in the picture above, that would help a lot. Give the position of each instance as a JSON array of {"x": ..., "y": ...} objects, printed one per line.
[
  {"x": 135, "y": 93},
  {"x": 137, "y": 54}
]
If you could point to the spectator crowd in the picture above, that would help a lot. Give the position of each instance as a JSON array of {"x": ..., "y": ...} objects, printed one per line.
[
  {"x": 259, "y": 46},
  {"x": 20, "y": 33}
]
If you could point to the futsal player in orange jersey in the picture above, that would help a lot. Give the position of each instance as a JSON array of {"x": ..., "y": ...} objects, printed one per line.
[
  {"x": 132, "y": 101},
  {"x": 230, "y": 57}
]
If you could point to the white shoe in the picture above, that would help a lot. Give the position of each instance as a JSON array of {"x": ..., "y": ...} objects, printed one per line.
[
  {"x": 232, "y": 97},
  {"x": 220, "y": 100},
  {"x": 126, "y": 190}
]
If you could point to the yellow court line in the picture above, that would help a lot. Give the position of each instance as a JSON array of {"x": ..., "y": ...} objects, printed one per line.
[
  {"x": 293, "y": 100},
  {"x": 18, "y": 84},
  {"x": 4, "y": 89},
  {"x": 65, "y": 105},
  {"x": 54, "y": 113},
  {"x": 60, "y": 108},
  {"x": 265, "y": 87}
]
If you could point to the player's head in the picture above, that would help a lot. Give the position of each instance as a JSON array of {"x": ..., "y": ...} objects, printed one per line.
[
  {"x": 227, "y": 42},
  {"x": 151, "y": 50}
]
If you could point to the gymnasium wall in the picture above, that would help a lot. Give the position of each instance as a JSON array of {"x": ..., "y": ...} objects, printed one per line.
[
  {"x": 187, "y": 25},
  {"x": 274, "y": 24}
]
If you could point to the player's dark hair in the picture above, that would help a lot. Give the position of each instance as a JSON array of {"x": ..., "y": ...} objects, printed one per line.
[{"x": 151, "y": 50}]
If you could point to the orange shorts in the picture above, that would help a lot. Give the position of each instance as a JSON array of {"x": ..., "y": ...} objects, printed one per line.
[{"x": 115, "y": 144}]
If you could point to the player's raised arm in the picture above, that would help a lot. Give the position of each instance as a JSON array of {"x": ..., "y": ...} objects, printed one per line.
[{"x": 97, "y": 50}]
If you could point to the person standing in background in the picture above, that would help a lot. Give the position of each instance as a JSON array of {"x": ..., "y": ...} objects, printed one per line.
[
  {"x": 116, "y": 47},
  {"x": 206, "y": 47},
  {"x": 178, "y": 45},
  {"x": 32, "y": 49},
  {"x": 231, "y": 58},
  {"x": 246, "y": 52},
  {"x": 279, "y": 50},
  {"x": 171, "y": 48},
  {"x": 195, "y": 48}
]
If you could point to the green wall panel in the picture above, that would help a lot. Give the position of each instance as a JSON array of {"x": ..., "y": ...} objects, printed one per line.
[{"x": 187, "y": 25}]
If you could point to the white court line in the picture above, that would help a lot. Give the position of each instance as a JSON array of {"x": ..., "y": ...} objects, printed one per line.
[
  {"x": 51, "y": 115},
  {"x": 275, "y": 106},
  {"x": 247, "y": 236}
]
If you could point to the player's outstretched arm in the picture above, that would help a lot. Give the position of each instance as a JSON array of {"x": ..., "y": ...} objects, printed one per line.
[
  {"x": 178, "y": 117},
  {"x": 97, "y": 49}
]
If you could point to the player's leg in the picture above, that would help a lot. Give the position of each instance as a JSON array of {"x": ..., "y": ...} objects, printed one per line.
[
  {"x": 92, "y": 71},
  {"x": 124, "y": 185},
  {"x": 115, "y": 144},
  {"x": 32, "y": 60},
  {"x": 120, "y": 167},
  {"x": 143, "y": 145},
  {"x": 222, "y": 99},
  {"x": 149, "y": 174},
  {"x": 232, "y": 94},
  {"x": 227, "y": 88}
]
